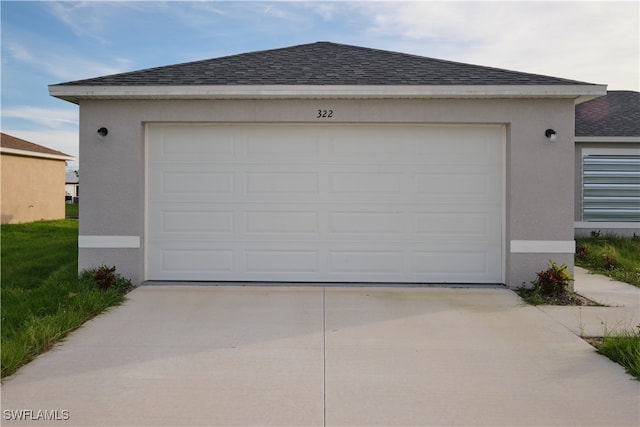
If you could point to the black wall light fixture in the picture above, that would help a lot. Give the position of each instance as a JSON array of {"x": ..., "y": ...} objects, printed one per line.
[
  {"x": 551, "y": 134},
  {"x": 103, "y": 131}
]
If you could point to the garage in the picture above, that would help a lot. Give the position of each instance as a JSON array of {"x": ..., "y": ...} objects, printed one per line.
[
  {"x": 327, "y": 163},
  {"x": 307, "y": 202}
]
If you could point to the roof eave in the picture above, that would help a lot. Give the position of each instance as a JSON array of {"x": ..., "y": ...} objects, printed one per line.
[
  {"x": 26, "y": 153},
  {"x": 75, "y": 93}
]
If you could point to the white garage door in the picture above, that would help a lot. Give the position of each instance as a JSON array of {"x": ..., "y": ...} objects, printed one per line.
[{"x": 329, "y": 203}]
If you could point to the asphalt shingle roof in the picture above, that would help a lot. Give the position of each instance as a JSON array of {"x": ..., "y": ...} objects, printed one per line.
[
  {"x": 9, "y": 141},
  {"x": 616, "y": 114},
  {"x": 322, "y": 63}
]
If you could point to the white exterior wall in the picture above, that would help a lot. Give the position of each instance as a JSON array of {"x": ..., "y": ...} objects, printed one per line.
[{"x": 538, "y": 183}]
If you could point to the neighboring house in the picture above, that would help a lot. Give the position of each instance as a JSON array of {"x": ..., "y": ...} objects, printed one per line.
[
  {"x": 32, "y": 181},
  {"x": 607, "y": 196},
  {"x": 71, "y": 187},
  {"x": 327, "y": 163}
]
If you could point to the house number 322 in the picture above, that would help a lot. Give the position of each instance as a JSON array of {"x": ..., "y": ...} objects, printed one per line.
[{"x": 324, "y": 114}]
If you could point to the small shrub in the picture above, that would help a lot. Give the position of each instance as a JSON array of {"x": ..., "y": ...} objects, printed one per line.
[
  {"x": 582, "y": 251},
  {"x": 608, "y": 261},
  {"x": 595, "y": 234},
  {"x": 553, "y": 282},
  {"x": 551, "y": 287},
  {"x": 105, "y": 278}
]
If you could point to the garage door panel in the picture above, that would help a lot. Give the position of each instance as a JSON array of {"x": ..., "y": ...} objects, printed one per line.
[
  {"x": 366, "y": 262},
  {"x": 275, "y": 144},
  {"x": 468, "y": 225},
  {"x": 282, "y": 261},
  {"x": 188, "y": 221},
  {"x": 463, "y": 267},
  {"x": 350, "y": 223},
  {"x": 325, "y": 203},
  {"x": 197, "y": 182},
  {"x": 281, "y": 222},
  {"x": 366, "y": 182},
  {"x": 349, "y": 145},
  {"x": 453, "y": 184},
  {"x": 473, "y": 139},
  {"x": 281, "y": 182},
  {"x": 182, "y": 262},
  {"x": 172, "y": 143}
]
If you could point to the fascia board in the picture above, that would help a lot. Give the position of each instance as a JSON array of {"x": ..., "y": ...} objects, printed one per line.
[
  {"x": 76, "y": 93},
  {"x": 25, "y": 153}
]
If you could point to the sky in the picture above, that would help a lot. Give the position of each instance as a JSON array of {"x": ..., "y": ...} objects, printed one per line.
[{"x": 49, "y": 42}]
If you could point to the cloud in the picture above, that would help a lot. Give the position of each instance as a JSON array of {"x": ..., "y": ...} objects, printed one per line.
[
  {"x": 589, "y": 41},
  {"x": 65, "y": 141},
  {"x": 94, "y": 19},
  {"x": 274, "y": 10},
  {"x": 50, "y": 117},
  {"x": 327, "y": 10},
  {"x": 67, "y": 13},
  {"x": 64, "y": 65},
  {"x": 19, "y": 52}
]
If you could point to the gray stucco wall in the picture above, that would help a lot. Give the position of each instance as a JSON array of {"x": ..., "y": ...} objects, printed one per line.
[{"x": 538, "y": 185}]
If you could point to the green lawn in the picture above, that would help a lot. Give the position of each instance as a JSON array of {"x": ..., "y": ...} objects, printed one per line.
[
  {"x": 613, "y": 256},
  {"x": 71, "y": 210},
  {"x": 42, "y": 298},
  {"x": 623, "y": 349},
  {"x": 618, "y": 258}
]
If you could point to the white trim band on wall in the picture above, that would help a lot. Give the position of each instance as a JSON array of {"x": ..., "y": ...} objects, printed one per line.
[
  {"x": 111, "y": 242},
  {"x": 603, "y": 224},
  {"x": 543, "y": 246}
]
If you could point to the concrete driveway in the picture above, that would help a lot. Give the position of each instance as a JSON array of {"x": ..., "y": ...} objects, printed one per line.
[{"x": 279, "y": 356}]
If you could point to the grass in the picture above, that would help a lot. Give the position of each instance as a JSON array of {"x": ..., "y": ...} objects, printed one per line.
[
  {"x": 42, "y": 297},
  {"x": 619, "y": 258},
  {"x": 623, "y": 349},
  {"x": 71, "y": 210},
  {"x": 613, "y": 256}
]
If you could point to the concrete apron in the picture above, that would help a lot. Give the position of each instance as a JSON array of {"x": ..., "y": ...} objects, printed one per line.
[{"x": 189, "y": 355}]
